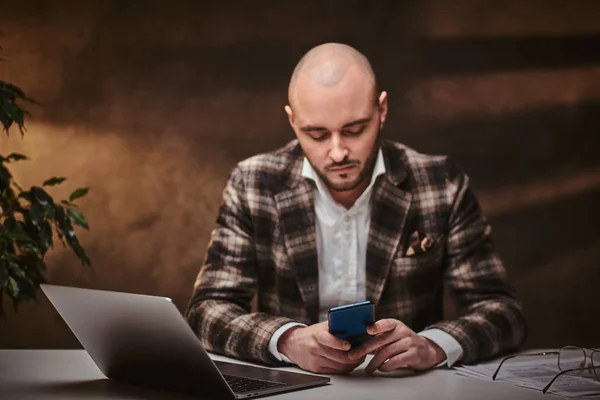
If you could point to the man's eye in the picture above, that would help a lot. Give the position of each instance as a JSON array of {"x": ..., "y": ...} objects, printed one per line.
[
  {"x": 320, "y": 137},
  {"x": 355, "y": 131}
]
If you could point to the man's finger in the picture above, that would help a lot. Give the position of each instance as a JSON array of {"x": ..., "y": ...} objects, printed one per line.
[
  {"x": 384, "y": 338},
  {"x": 407, "y": 359},
  {"x": 327, "y": 339},
  {"x": 387, "y": 352},
  {"x": 337, "y": 355},
  {"x": 383, "y": 325},
  {"x": 332, "y": 366},
  {"x": 370, "y": 346}
]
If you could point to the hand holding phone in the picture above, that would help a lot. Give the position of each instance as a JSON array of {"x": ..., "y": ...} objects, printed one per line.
[{"x": 349, "y": 322}]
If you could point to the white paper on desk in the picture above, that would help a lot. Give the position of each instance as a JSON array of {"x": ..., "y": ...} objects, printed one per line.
[{"x": 535, "y": 373}]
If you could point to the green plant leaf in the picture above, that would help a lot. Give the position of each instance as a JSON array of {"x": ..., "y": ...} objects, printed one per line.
[
  {"x": 16, "y": 157},
  {"x": 73, "y": 242},
  {"x": 9, "y": 203},
  {"x": 50, "y": 211},
  {"x": 60, "y": 216},
  {"x": 26, "y": 194},
  {"x": 21, "y": 238},
  {"x": 10, "y": 224},
  {"x": 16, "y": 92},
  {"x": 36, "y": 214},
  {"x": 69, "y": 204},
  {"x": 77, "y": 218},
  {"x": 54, "y": 181},
  {"x": 79, "y": 251},
  {"x": 16, "y": 227},
  {"x": 16, "y": 270},
  {"x": 45, "y": 235},
  {"x": 5, "y": 115},
  {"x": 12, "y": 113},
  {"x": 3, "y": 276},
  {"x": 61, "y": 237},
  {"x": 41, "y": 196},
  {"x": 31, "y": 247},
  {"x": 78, "y": 193},
  {"x": 5, "y": 177},
  {"x": 12, "y": 288}
]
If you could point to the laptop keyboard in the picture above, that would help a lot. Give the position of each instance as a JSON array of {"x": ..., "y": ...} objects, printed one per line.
[{"x": 243, "y": 385}]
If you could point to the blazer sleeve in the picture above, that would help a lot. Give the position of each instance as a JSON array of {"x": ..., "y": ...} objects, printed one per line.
[
  {"x": 490, "y": 319},
  {"x": 219, "y": 310}
]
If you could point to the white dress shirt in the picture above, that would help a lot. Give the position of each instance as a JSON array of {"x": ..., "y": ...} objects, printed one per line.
[{"x": 341, "y": 236}]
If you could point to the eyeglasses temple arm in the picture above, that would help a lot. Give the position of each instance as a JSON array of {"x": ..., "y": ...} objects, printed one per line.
[
  {"x": 546, "y": 353},
  {"x": 499, "y": 365},
  {"x": 544, "y": 390}
]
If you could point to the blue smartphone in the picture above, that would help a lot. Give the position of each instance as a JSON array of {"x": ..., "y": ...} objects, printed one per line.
[{"x": 349, "y": 322}]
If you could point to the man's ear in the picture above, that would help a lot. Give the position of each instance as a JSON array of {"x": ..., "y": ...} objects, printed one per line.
[
  {"x": 290, "y": 114},
  {"x": 383, "y": 109}
]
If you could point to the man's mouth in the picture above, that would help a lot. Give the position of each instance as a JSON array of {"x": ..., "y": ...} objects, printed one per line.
[{"x": 342, "y": 168}]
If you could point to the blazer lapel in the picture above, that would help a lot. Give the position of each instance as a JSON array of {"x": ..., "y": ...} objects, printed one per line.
[
  {"x": 389, "y": 207},
  {"x": 295, "y": 208}
]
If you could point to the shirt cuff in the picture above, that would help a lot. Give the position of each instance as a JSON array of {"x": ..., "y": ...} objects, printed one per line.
[
  {"x": 275, "y": 338},
  {"x": 449, "y": 345}
]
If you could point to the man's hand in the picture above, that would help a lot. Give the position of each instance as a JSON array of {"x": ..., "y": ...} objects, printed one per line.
[
  {"x": 314, "y": 349},
  {"x": 400, "y": 346}
]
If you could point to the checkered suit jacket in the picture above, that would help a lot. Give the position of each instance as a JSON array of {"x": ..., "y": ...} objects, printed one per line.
[{"x": 265, "y": 241}]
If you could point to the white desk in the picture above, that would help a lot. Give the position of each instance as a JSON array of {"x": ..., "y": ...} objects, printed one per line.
[{"x": 71, "y": 374}]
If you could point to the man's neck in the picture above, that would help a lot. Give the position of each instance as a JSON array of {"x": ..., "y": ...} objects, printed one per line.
[{"x": 348, "y": 198}]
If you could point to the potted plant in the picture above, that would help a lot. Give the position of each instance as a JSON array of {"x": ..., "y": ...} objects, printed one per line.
[{"x": 30, "y": 220}]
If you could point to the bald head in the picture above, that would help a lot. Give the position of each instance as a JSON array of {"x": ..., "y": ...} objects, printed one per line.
[{"x": 327, "y": 65}]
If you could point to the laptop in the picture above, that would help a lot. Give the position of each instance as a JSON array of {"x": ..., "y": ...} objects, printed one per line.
[{"x": 144, "y": 340}]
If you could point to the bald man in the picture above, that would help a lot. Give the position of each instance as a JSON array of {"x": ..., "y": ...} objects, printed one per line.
[{"x": 340, "y": 215}]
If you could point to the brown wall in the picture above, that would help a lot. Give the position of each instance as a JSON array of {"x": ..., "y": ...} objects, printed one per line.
[{"x": 151, "y": 103}]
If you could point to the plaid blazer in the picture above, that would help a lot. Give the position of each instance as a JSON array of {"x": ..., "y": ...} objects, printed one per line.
[{"x": 264, "y": 243}]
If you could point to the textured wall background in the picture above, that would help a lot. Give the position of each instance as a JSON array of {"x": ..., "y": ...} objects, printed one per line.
[{"x": 151, "y": 103}]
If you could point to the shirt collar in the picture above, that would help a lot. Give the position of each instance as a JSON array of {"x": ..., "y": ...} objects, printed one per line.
[{"x": 309, "y": 172}]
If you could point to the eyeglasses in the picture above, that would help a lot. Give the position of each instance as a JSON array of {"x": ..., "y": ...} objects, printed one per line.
[{"x": 571, "y": 359}]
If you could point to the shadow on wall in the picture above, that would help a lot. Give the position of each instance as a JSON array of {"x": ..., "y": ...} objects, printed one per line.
[
  {"x": 522, "y": 147},
  {"x": 477, "y": 55}
]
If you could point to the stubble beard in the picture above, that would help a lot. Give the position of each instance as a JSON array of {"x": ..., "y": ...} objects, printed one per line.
[{"x": 364, "y": 174}]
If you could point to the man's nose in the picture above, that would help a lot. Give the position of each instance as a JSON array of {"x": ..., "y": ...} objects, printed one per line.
[{"x": 338, "y": 151}]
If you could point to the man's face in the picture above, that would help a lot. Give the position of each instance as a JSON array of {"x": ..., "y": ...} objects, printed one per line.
[{"x": 338, "y": 129}]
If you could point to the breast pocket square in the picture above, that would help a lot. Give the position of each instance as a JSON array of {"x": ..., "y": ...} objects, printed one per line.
[{"x": 419, "y": 243}]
